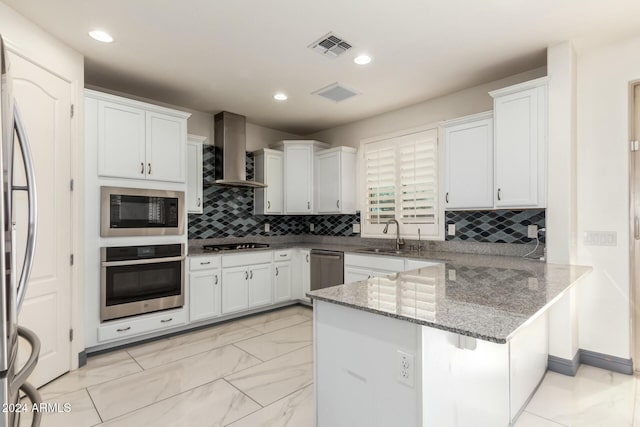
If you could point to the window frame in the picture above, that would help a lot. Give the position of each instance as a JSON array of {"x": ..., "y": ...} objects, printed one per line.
[{"x": 409, "y": 231}]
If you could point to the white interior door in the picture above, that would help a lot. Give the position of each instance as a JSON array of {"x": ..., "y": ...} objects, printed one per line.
[{"x": 44, "y": 101}]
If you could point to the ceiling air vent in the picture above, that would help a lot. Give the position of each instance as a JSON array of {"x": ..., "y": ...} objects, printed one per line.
[
  {"x": 330, "y": 45},
  {"x": 335, "y": 92}
]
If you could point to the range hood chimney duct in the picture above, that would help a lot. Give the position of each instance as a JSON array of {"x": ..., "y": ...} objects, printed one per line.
[{"x": 230, "y": 145}]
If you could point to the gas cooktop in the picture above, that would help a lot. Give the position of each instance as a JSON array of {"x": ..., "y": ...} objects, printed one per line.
[{"x": 234, "y": 247}]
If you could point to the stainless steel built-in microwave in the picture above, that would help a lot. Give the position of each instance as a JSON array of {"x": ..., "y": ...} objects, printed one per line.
[{"x": 141, "y": 212}]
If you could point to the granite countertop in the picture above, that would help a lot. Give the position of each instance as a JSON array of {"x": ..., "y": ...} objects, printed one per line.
[{"x": 485, "y": 297}]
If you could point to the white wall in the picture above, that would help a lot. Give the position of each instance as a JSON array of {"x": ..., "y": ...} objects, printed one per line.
[
  {"x": 458, "y": 104},
  {"x": 603, "y": 193},
  {"x": 38, "y": 47}
]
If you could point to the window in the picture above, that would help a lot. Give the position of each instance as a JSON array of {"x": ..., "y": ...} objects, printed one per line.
[{"x": 401, "y": 182}]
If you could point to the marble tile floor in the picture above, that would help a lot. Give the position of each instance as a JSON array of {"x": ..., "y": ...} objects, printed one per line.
[{"x": 258, "y": 371}]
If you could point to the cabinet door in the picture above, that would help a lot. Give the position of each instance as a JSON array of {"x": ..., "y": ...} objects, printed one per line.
[
  {"x": 274, "y": 193},
  {"x": 166, "y": 141},
  {"x": 356, "y": 274},
  {"x": 235, "y": 289},
  {"x": 281, "y": 281},
  {"x": 306, "y": 274},
  {"x": 194, "y": 177},
  {"x": 204, "y": 294},
  {"x": 469, "y": 165},
  {"x": 517, "y": 136},
  {"x": 260, "y": 285},
  {"x": 328, "y": 183},
  {"x": 121, "y": 141},
  {"x": 298, "y": 180}
]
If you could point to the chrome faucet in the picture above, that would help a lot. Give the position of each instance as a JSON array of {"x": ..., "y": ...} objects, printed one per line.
[{"x": 399, "y": 241}]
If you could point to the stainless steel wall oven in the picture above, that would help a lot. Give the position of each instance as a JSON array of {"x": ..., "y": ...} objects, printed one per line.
[
  {"x": 141, "y": 212},
  {"x": 141, "y": 279}
]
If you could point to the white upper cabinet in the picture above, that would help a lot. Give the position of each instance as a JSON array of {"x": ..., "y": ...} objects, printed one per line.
[
  {"x": 298, "y": 175},
  {"x": 194, "y": 196},
  {"x": 121, "y": 141},
  {"x": 166, "y": 141},
  {"x": 139, "y": 140},
  {"x": 269, "y": 169},
  {"x": 520, "y": 126},
  {"x": 469, "y": 162},
  {"x": 335, "y": 181}
]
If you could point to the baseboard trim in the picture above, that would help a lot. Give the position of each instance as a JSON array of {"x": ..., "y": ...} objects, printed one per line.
[
  {"x": 599, "y": 360},
  {"x": 82, "y": 358},
  {"x": 564, "y": 366},
  {"x": 604, "y": 361}
]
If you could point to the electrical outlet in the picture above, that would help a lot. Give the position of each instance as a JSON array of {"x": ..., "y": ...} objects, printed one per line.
[
  {"x": 532, "y": 231},
  {"x": 452, "y": 274},
  {"x": 267, "y": 227},
  {"x": 405, "y": 368},
  {"x": 356, "y": 228},
  {"x": 451, "y": 229},
  {"x": 312, "y": 227}
]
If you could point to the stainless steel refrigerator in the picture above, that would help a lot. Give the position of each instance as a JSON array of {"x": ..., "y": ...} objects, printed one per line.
[{"x": 13, "y": 281}]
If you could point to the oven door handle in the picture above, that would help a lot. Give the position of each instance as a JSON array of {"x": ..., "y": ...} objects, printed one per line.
[{"x": 141, "y": 261}]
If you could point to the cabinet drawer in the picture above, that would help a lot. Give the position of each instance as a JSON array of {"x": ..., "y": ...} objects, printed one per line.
[
  {"x": 393, "y": 264},
  {"x": 204, "y": 262},
  {"x": 254, "y": 257},
  {"x": 135, "y": 326},
  {"x": 283, "y": 255}
]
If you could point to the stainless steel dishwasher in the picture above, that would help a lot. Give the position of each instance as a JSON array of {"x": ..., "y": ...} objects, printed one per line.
[{"x": 327, "y": 269}]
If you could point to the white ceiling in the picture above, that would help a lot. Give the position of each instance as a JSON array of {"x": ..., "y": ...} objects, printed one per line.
[{"x": 234, "y": 55}]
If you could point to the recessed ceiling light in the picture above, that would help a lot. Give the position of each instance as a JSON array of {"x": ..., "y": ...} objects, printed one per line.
[
  {"x": 280, "y": 97},
  {"x": 362, "y": 59},
  {"x": 101, "y": 36}
]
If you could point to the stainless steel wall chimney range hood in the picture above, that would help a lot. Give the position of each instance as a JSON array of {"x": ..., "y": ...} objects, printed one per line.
[{"x": 230, "y": 145}]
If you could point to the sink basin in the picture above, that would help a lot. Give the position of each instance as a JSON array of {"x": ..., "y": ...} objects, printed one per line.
[{"x": 382, "y": 251}]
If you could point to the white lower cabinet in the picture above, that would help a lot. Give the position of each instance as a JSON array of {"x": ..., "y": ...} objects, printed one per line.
[
  {"x": 124, "y": 328},
  {"x": 235, "y": 289},
  {"x": 282, "y": 276},
  {"x": 205, "y": 292},
  {"x": 260, "y": 285}
]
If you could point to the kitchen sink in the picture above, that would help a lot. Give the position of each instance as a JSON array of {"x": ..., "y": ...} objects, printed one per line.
[{"x": 382, "y": 251}]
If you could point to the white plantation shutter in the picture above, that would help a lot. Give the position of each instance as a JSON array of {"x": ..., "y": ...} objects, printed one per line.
[
  {"x": 401, "y": 182},
  {"x": 380, "y": 178},
  {"x": 418, "y": 180}
]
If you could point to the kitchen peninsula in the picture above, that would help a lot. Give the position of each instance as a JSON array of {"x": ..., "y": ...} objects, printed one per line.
[{"x": 463, "y": 342}]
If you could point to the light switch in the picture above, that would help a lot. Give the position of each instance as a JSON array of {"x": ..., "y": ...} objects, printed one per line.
[{"x": 601, "y": 238}]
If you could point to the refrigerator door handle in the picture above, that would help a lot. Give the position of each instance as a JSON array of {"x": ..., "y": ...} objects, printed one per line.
[
  {"x": 30, "y": 188},
  {"x": 21, "y": 377},
  {"x": 34, "y": 396}
]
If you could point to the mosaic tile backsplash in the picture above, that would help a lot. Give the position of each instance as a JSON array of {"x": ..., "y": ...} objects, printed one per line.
[
  {"x": 500, "y": 226},
  {"x": 228, "y": 212}
]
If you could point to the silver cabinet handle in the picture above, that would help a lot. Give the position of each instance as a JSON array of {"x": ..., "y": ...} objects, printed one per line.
[
  {"x": 123, "y": 329},
  {"x": 166, "y": 320},
  {"x": 338, "y": 204},
  {"x": 283, "y": 255},
  {"x": 246, "y": 275},
  {"x": 499, "y": 194},
  {"x": 446, "y": 197},
  {"x": 26, "y": 370},
  {"x": 141, "y": 261},
  {"x": 141, "y": 167},
  {"x": 308, "y": 205},
  {"x": 251, "y": 274},
  {"x": 216, "y": 281},
  {"x": 199, "y": 202},
  {"x": 276, "y": 271},
  {"x": 32, "y": 199},
  {"x": 149, "y": 173},
  {"x": 307, "y": 257},
  {"x": 268, "y": 204},
  {"x": 636, "y": 228},
  {"x": 205, "y": 263}
]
